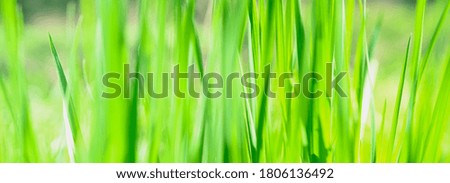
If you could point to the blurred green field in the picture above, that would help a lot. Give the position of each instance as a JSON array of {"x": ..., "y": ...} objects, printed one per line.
[{"x": 95, "y": 37}]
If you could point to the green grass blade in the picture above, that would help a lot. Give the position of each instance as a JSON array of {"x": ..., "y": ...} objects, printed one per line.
[
  {"x": 411, "y": 127},
  {"x": 436, "y": 33},
  {"x": 394, "y": 127},
  {"x": 71, "y": 112}
]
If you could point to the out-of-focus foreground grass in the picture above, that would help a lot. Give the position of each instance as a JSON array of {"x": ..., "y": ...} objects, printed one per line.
[{"x": 397, "y": 109}]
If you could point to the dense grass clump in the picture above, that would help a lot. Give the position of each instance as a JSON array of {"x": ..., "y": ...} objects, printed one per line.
[{"x": 324, "y": 37}]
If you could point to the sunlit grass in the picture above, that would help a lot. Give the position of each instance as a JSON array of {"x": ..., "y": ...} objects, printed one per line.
[{"x": 229, "y": 36}]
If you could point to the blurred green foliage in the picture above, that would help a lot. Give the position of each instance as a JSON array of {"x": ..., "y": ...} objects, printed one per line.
[{"x": 381, "y": 121}]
